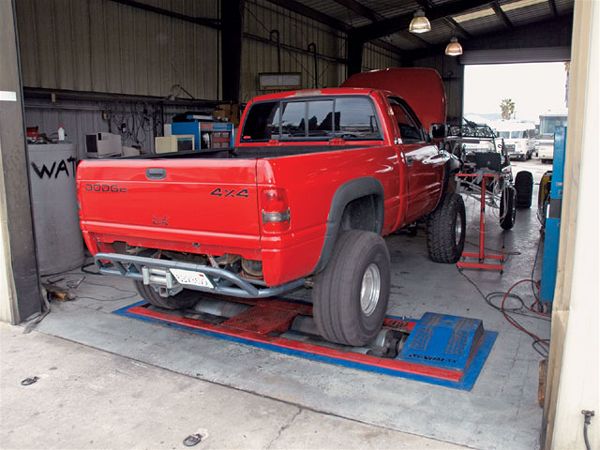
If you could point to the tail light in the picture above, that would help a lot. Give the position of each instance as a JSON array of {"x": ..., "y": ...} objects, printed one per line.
[{"x": 275, "y": 210}]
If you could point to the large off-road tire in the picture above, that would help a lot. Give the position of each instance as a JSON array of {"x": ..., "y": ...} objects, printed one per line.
[
  {"x": 351, "y": 294},
  {"x": 446, "y": 230},
  {"x": 524, "y": 187},
  {"x": 508, "y": 208},
  {"x": 184, "y": 300}
]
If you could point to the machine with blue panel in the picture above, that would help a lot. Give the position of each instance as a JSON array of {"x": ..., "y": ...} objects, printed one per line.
[
  {"x": 552, "y": 223},
  {"x": 208, "y": 133}
]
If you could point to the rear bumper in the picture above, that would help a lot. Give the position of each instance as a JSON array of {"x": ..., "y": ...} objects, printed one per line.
[{"x": 156, "y": 272}]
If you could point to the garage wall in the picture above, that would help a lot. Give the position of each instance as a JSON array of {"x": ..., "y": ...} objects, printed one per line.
[
  {"x": 378, "y": 58},
  {"x": 296, "y": 32},
  {"x": 103, "y": 46}
]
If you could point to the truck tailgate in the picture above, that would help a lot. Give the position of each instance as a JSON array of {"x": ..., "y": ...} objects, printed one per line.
[{"x": 196, "y": 201}]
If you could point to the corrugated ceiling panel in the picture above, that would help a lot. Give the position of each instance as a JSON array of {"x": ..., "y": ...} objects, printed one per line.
[
  {"x": 533, "y": 13},
  {"x": 389, "y": 8},
  {"x": 337, "y": 11},
  {"x": 483, "y": 24},
  {"x": 440, "y": 32},
  {"x": 564, "y": 6}
]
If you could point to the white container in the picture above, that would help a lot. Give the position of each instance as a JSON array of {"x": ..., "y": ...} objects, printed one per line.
[
  {"x": 61, "y": 134},
  {"x": 54, "y": 200}
]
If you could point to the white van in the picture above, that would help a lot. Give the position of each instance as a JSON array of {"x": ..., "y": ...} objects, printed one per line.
[
  {"x": 519, "y": 138},
  {"x": 545, "y": 141}
]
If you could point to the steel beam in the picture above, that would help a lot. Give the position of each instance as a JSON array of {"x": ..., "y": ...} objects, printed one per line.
[
  {"x": 360, "y": 9},
  {"x": 355, "y": 51},
  {"x": 552, "y": 5},
  {"x": 502, "y": 15},
  {"x": 205, "y": 21},
  {"x": 232, "y": 24},
  {"x": 457, "y": 28},
  {"x": 20, "y": 256},
  {"x": 299, "y": 8}
]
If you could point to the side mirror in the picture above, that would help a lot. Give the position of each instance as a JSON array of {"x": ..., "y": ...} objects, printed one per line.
[{"x": 438, "y": 130}]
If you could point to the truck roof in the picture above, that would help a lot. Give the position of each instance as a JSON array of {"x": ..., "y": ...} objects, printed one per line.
[{"x": 313, "y": 93}]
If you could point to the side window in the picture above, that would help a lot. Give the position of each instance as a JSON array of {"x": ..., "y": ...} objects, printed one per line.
[
  {"x": 292, "y": 120},
  {"x": 355, "y": 118},
  {"x": 320, "y": 113},
  {"x": 410, "y": 132},
  {"x": 262, "y": 122}
]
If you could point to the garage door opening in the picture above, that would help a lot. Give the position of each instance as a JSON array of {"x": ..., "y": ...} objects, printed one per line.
[{"x": 516, "y": 93}]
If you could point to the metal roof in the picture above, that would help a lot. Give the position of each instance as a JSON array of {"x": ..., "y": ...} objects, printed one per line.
[{"x": 486, "y": 17}]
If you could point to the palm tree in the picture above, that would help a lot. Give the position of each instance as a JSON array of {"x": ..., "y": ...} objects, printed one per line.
[{"x": 507, "y": 108}]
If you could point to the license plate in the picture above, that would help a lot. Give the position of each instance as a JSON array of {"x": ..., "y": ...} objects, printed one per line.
[{"x": 191, "y": 278}]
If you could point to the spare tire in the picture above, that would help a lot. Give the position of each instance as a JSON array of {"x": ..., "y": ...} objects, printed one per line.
[{"x": 524, "y": 187}]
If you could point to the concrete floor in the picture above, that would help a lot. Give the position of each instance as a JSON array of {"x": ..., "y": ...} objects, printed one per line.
[
  {"x": 87, "y": 398},
  {"x": 501, "y": 412}
]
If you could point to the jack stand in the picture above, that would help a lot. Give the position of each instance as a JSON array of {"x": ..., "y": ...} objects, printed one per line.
[{"x": 481, "y": 255}]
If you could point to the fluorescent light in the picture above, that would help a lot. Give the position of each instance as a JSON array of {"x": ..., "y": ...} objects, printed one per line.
[
  {"x": 474, "y": 15},
  {"x": 520, "y": 4}
]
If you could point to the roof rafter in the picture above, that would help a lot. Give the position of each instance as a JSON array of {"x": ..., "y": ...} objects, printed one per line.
[
  {"x": 457, "y": 28},
  {"x": 311, "y": 13},
  {"x": 502, "y": 15},
  {"x": 360, "y": 9}
]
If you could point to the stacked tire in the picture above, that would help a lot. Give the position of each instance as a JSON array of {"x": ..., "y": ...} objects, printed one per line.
[{"x": 524, "y": 187}]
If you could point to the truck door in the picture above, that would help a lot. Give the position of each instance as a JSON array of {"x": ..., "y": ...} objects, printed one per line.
[{"x": 424, "y": 163}]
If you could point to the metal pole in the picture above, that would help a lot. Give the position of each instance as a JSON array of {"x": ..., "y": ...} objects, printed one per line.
[
  {"x": 312, "y": 47},
  {"x": 278, "y": 42}
]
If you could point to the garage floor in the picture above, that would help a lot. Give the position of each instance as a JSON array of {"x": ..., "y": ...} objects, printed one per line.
[{"x": 501, "y": 412}]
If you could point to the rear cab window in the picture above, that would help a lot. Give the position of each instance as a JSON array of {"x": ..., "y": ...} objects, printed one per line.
[{"x": 313, "y": 118}]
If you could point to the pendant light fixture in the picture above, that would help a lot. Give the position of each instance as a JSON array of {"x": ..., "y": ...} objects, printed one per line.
[
  {"x": 419, "y": 23},
  {"x": 454, "y": 48}
]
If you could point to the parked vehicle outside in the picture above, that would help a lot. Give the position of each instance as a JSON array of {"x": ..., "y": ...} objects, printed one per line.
[
  {"x": 519, "y": 138},
  {"x": 545, "y": 140}
]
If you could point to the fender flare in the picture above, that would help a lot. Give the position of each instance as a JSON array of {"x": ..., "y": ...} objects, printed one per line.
[{"x": 346, "y": 193}]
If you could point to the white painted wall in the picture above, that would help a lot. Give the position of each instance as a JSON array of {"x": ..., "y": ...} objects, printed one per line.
[{"x": 579, "y": 373}]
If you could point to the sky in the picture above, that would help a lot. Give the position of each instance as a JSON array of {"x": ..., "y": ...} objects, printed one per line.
[{"x": 535, "y": 88}]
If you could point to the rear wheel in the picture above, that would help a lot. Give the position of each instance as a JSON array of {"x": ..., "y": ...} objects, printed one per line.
[
  {"x": 350, "y": 296},
  {"x": 184, "y": 300},
  {"x": 446, "y": 230},
  {"x": 508, "y": 210},
  {"x": 524, "y": 187}
]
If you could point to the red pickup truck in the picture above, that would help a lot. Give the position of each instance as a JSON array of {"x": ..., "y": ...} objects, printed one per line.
[{"x": 316, "y": 178}]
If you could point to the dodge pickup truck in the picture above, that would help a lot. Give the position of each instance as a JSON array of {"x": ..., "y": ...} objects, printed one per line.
[{"x": 316, "y": 178}]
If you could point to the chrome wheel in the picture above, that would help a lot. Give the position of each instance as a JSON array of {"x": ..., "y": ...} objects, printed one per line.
[
  {"x": 458, "y": 229},
  {"x": 370, "y": 289}
]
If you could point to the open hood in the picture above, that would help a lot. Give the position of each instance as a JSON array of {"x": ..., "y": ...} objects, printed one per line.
[{"x": 422, "y": 88}]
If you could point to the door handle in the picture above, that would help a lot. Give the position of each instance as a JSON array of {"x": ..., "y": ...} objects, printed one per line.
[
  {"x": 436, "y": 159},
  {"x": 156, "y": 173}
]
